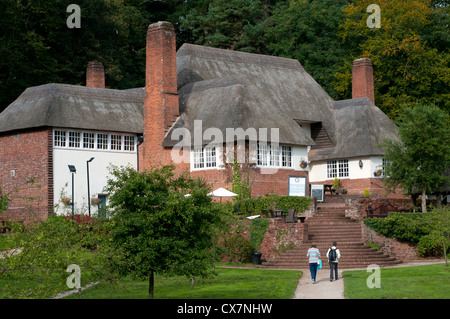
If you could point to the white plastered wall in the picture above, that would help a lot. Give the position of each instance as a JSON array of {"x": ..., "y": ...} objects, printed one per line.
[
  {"x": 318, "y": 170},
  {"x": 98, "y": 175}
]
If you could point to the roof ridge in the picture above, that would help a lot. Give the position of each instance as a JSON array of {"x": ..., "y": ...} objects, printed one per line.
[
  {"x": 63, "y": 89},
  {"x": 237, "y": 56}
]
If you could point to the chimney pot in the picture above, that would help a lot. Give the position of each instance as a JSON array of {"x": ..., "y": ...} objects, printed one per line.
[
  {"x": 95, "y": 74},
  {"x": 362, "y": 79}
]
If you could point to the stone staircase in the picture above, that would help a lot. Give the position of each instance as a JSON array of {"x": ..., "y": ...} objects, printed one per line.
[{"x": 328, "y": 225}]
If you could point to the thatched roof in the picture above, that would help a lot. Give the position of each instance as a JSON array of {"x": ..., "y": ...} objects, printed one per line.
[
  {"x": 78, "y": 107},
  {"x": 362, "y": 126},
  {"x": 224, "y": 89},
  {"x": 231, "y": 89}
]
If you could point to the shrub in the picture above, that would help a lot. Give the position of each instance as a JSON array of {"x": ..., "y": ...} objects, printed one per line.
[
  {"x": 430, "y": 231},
  {"x": 272, "y": 202},
  {"x": 258, "y": 228},
  {"x": 237, "y": 248}
]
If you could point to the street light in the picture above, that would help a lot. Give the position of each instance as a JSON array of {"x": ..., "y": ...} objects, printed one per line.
[
  {"x": 73, "y": 170},
  {"x": 89, "y": 193}
]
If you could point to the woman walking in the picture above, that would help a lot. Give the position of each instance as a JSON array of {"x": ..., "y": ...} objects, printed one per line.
[{"x": 314, "y": 255}]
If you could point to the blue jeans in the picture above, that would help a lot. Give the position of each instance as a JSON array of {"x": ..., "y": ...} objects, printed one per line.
[
  {"x": 313, "y": 269},
  {"x": 335, "y": 266}
]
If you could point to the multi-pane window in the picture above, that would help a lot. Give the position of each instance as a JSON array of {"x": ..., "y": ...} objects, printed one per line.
[
  {"x": 116, "y": 142},
  {"x": 331, "y": 169},
  {"x": 128, "y": 143},
  {"x": 93, "y": 141},
  {"x": 286, "y": 156},
  {"x": 274, "y": 155},
  {"x": 210, "y": 157},
  {"x": 261, "y": 153},
  {"x": 60, "y": 138},
  {"x": 205, "y": 157},
  {"x": 343, "y": 168},
  {"x": 88, "y": 140},
  {"x": 102, "y": 141},
  {"x": 337, "y": 168},
  {"x": 74, "y": 139}
]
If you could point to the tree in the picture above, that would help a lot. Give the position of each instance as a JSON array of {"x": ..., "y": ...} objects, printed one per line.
[
  {"x": 156, "y": 228},
  {"x": 420, "y": 160},
  {"x": 308, "y": 31},
  {"x": 229, "y": 24},
  {"x": 410, "y": 64}
]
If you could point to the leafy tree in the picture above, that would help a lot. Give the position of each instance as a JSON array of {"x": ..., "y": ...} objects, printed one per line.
[
  {"x": 409, "y": 63},
  {"x": 159, "y": 230},
  {"x": 42, "y": 252},
  {"x": 307, "y": 31},
  {"x": 229, "y": 24},
  {"x": 420, "y": 160}
]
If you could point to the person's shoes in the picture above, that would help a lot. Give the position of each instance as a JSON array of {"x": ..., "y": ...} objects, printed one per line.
[{"x": 331, "y": 279}]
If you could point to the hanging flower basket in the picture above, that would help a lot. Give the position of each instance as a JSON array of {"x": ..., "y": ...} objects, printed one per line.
[
  {"x": 65, "y": 200},
  {"x": 303, "y": 164},
  {"x": 96, "y": 201}
]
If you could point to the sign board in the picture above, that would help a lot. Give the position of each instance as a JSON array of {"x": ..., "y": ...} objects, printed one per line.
[
  {"x": 317, "y": 191},
  {"x": 297, "y": 186}
]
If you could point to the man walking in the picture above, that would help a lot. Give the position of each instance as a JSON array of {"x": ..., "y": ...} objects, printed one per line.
[{"x": 333, "y": 255}]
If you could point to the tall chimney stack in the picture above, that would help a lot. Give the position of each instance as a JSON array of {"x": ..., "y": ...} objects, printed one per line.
[
  {"x": 362, "y": 79},
  {"x": 95, "y": 74},
  {"x": 161, "y": 97}
]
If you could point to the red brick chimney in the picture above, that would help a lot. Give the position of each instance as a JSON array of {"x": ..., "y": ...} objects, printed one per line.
[
  {"x": 161, "y": 98},
  {"x": 362, "y": 79},
  {"x": 95, "y": 74}
]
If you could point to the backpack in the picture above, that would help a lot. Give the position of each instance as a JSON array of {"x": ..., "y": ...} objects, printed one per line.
[{"x": 332, "y": 255}]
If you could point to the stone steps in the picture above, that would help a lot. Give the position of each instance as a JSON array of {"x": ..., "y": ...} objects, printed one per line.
[{"x": 328, "y": 225}]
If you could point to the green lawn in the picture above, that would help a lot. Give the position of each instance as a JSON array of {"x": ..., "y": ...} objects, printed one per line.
[
  {"x": 419, "y": 282},
  {"x": 229, "y": 283}
]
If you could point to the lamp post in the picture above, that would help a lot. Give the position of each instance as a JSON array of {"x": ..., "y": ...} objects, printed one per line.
[
  {"x": 89, "y": 193},
  {"x": 73, "y": 170}
]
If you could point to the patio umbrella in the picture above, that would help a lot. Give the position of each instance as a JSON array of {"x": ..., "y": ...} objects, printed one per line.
[{"x": 222, "y": 192}]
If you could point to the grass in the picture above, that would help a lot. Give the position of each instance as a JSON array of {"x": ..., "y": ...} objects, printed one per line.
[
  {"x": 418, "y": 282},
  {"x": 228, "y": 283}
]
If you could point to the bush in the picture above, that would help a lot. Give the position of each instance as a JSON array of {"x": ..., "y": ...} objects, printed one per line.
[
  {"x": 272, "y": 202},
  {"x": 238, "y": 248},
  {"x": 430, "y": 231}
]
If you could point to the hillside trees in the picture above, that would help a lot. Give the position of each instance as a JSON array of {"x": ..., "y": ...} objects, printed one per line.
[{"x": 409, "y": 53}]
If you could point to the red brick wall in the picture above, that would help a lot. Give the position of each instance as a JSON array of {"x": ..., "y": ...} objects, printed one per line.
[
  {"x": 29, "y": 154},
  {"x": 95, "y": 74},
  {"x": 161, "y": 99},
  {"x": 362, "y": 79},
  {"x": 357, "y": 186}
]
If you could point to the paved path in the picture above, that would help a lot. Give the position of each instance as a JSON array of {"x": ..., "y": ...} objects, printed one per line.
[
  {"x": 322, "y": 289},
  {"x": 326, "y": 289}
]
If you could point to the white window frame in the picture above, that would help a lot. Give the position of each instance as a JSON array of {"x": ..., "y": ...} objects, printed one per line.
[
  {"x": 268, "y": 155},
  {"x": 91, "y": 140},
  {"x": 204, "y": 158},
  {"x": 59, "y": 138},
  {"x": 338, "y": 168}
]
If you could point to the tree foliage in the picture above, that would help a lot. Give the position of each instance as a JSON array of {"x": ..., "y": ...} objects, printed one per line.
[
  {"x": 419, "y": 162},
  {"x": 159, "y": 230},
  {"x": 410, "y": 52}
]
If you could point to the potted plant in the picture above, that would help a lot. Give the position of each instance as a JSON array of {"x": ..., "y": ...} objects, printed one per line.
[
  {"x": 303, "y": 163},
  {"x": 378, "y": 172},
  {"x": 65, "y": 200},
  {"x": 95, "y": 200}
]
